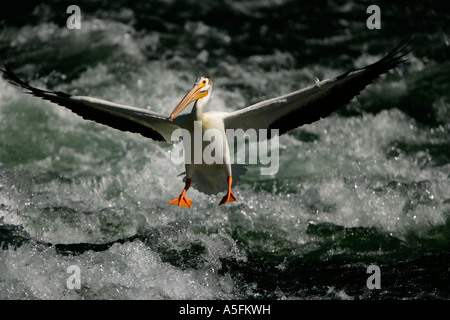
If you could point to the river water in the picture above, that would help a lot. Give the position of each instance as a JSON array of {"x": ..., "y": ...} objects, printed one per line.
[{"x": 367, "y": 186}]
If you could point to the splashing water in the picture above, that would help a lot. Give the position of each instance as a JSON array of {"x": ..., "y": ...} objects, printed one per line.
[{"x": 367, "y": 185}]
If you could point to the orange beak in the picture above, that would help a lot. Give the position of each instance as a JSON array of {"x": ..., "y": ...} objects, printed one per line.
[{"x": 192, "y": 96}]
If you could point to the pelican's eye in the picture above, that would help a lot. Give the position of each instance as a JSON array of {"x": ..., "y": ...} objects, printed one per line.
[{"x": 203, "y": 83}]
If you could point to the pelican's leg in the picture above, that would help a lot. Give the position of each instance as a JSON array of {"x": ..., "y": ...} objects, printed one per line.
[
  {"x": 229, "y": 196},
  {"x": 182, "y": 200}
]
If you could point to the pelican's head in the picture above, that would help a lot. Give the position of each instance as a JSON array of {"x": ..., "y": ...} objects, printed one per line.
[{"x": 201, "y": 91}]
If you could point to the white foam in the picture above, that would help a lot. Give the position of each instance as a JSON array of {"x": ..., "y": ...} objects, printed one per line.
[{"x": 128, "y": 271}]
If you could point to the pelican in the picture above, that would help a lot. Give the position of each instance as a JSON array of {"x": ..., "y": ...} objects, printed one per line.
[{"x": 283, "y": 113}]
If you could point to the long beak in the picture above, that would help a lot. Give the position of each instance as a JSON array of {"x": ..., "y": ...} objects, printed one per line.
[{"x": 193, "y": 95}]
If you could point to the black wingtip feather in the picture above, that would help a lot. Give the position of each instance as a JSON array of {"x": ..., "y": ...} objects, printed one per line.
[
  {"x": 348, "y": 85},
  {"x": 394, "y": 57},
  {"x": 15, "y": 80},
  {"x": 86, "y": 112}
]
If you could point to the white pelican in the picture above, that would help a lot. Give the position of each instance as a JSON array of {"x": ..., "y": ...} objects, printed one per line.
[{"x": 283, "y": 113}]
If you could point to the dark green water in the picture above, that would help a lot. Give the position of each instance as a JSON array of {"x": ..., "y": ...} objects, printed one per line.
[{"x": 370, "y": 185}]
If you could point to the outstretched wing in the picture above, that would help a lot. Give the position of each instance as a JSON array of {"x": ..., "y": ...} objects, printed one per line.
[
  {"x": 137, "y": 120},
  {"x": 314, "y": 102}
]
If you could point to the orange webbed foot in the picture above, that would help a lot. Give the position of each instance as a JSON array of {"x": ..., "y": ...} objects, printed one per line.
[
  {"x": 181, "y": 201},
  {"x": 228, "y": 198}
]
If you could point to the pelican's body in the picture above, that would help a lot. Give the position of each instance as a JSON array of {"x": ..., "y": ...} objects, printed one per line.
[
  {"x": 208, "y": 177},
  {"x": 209, "y": 174},
  {"x": 282, "y": 113}
]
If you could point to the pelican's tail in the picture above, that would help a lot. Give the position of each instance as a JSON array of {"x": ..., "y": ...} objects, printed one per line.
[{"x": 214, "y": 180}]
